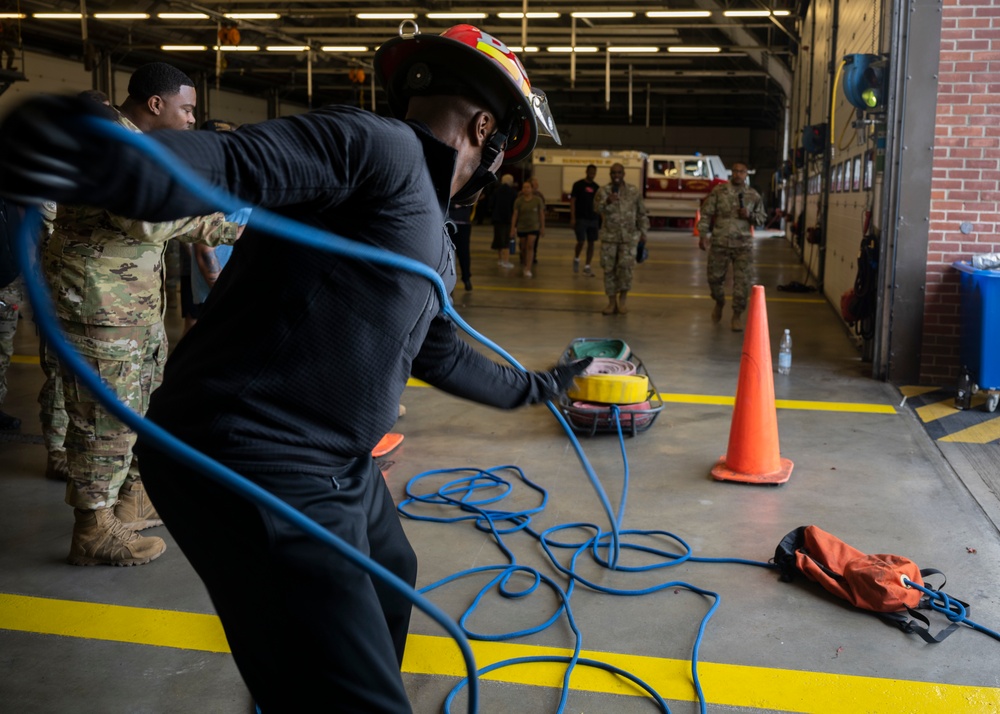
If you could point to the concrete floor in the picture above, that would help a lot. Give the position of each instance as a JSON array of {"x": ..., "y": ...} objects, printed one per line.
[{"x": 130, "y": 640}]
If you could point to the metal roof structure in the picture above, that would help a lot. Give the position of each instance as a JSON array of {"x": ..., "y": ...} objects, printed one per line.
[{"x": 691, "y": 64}]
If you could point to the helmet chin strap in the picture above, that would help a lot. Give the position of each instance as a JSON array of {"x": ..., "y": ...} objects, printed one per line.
[{"x": 486, "y": 171}]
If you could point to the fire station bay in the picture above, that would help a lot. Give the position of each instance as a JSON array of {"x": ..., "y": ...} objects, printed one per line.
[{"x": 665, "y": 379}]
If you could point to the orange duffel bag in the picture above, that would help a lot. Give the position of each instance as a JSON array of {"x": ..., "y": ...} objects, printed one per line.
[{"x": 876, "y": 583}]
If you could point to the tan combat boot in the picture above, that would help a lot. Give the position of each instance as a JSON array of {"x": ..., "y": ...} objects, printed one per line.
[
  {"x": 737, "y": 323},
  {"x": 622, "y": 296},
  {"x": 134, "y": 509},
  {"x": 717, "y": 312},
  {"x": 57, "y": 468},
  {"x": 100, "y": 539},
  {"x": 612, "y": 307}
]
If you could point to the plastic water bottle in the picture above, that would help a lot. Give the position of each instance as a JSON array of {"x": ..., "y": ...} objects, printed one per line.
[{"x": 785, "y": 353}]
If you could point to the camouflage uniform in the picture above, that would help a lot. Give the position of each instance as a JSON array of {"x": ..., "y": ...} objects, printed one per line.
[
  {"x": 622, "y": 225},
  {"x": 732, "y": 241},
  {"x": 106, "y": 277},
  {"x": 50, "y": 398},
  {"x": 53, "y": 414},
  {"x": 12, "y": 295}
]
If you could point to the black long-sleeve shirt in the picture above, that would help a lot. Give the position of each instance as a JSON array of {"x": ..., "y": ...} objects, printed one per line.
[{"x": 301, "y": 356}]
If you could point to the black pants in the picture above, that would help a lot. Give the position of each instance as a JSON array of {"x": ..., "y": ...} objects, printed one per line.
[{"x": 308, "y": 631}]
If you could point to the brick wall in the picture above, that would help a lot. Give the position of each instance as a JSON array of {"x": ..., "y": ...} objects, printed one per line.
[{"x": 965, "y": 185}]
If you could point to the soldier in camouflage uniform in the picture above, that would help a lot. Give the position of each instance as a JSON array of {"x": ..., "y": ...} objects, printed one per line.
[
  {"x": 10, "y": 300},
  {"x": 728, "y": 212},
  {"x": 106, "y": 276},
  {"x": 623, "y": 224},
  {"x": 50, "y": 398}
]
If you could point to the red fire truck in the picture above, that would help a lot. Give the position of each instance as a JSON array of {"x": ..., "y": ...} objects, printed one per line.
[
  {"x": 673, "y": 184},
  {"x": 676, "y": 184}
]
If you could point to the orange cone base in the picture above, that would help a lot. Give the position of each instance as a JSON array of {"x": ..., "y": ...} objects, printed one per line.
[
  {"x": 386, "y": 444},
  {"x": 721, "y": 472}
]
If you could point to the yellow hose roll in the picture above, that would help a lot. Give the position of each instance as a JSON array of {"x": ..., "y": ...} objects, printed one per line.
[{"x": 610, "y": 389}]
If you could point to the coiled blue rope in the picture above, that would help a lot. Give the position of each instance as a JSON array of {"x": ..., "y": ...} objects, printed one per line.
[{"x": 476, "y": 494}]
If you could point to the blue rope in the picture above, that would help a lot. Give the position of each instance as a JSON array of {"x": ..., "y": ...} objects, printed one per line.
[
  {"x": 952, "y": 609},
  {"x": 476, "y": 494}
]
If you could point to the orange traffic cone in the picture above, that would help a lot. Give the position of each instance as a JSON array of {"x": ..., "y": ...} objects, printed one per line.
[
  {"x": 697, "y": 220},
  {"x": 753, "y": 455},
  {"x": 387, "y": 444}
]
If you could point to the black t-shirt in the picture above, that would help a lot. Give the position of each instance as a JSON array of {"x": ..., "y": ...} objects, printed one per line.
[
  {"x": 301, "y": 355},
  {"x": 583, "y": 192}
]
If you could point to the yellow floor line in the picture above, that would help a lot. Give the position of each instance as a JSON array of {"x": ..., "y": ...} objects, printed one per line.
[
  {"x": 945, "y": 408},
  {"x": 632, "y": 294},
  {"x": 718, "y": 400},
  {"x": 724, "y": 684},
  {"x": 982, "y": 433},
  {"x": 936, "y": 410},
  {"x": 24, "y": 359},
  {"x": 916, "y": 391},
  {"x": 117, "y": 623},
  {"x": 855, "y": 407}
]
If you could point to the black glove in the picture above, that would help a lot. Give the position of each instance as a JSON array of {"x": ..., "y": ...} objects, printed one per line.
[
  {"x": 549, "y": 385},
  {"x": 46, "y": 153}
]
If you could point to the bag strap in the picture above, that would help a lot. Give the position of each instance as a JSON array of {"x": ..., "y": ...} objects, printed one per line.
[
  {"x": 898, "y": 619},
  {"x": 910, "y": 627}
]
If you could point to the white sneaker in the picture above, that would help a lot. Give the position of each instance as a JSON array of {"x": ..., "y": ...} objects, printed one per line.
[
  {"x": 506, "y": 265},
  {"x": 587, "y": 270},
  {"x": 576, "y": 265},
  {"x": 527, "y": 273}
]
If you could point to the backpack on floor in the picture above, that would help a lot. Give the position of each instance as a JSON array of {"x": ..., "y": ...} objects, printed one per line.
[{"x": 870, "y": 582}]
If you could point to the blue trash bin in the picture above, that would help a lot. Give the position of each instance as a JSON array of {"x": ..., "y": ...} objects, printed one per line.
[{"x": 980, "y": 337}]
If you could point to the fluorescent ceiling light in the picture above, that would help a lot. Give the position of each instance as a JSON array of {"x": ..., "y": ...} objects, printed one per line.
[
  {"x": 523, "y": 49},
  {"x": 237, "y": 48},
  {"x": 252, "y": 15},
  {"x": 386, "y": 16},
  {"x": 57, "y": 15},
  {"x": 287, "y": 48},
  {"x": 182, "y": 16},
  {"x": 781, "y": 13},
  {"x": 694, "y": 49},
  {"x": 183, "y": 48},
  {"x": 679, "y": 13},
  {"x": 531, "y": 15},
  {"x": 121, "y": 15},
  {"x": 747, "y": 13},
  {"x": 344, "y": 48},
  {"x": 597, "y": 15},
  {"x": 571, "y": 49},
  {"x": 455, "y": 15},
  {"x": 12, "y": 16},
  {"x": 635, "y": 49}
]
